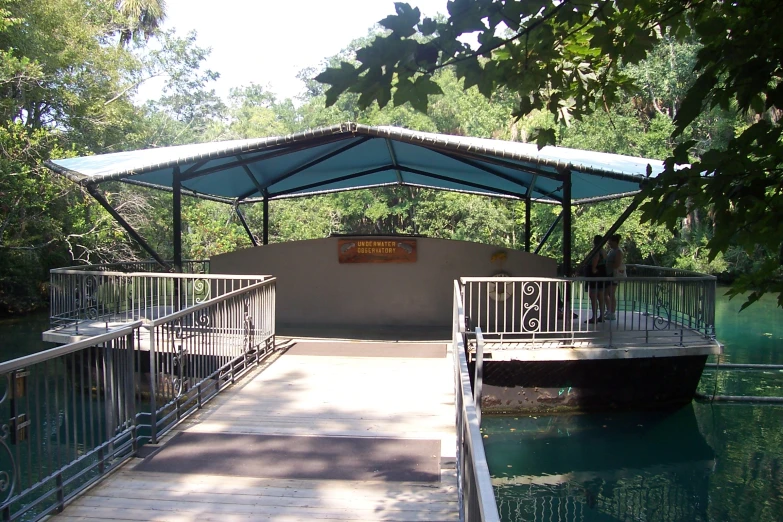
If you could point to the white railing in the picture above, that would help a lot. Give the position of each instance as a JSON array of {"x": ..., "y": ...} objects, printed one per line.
[
  {"x": 189, "y": 266},
  {"x": 196, "y": 352},
  {"x": 476, "y": 496},
  {"x": 560, "y": 310},
  {"x": 73, "y": 413},
  {"x": 79, "y": 296}
]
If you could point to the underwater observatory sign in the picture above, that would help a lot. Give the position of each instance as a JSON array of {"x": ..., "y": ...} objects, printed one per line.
[{"x": 376, "y": 250}]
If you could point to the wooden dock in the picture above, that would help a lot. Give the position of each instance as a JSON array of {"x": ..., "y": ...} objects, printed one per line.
[{"x": 315, "y": 395}]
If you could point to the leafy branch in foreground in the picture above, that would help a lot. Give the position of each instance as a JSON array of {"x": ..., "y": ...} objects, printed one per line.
[{"x": 569, "y": 58}]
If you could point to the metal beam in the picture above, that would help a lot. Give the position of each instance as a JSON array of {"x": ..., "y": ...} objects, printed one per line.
[
  {"x": 393, "y": 157},
  {"x": 617, "y": 224},
  {"x": 306, "y": 166},
  {"x": 478, "y": 186},
  {"x": 244, "y": 224},
  {"x": 528, "y": 204},
  {"x": 549, "y": 232},
  {"x": 488, "y": 170},
  {"x": 265, "y": 237},
  {"x": 176, "y": 184},
  {"x": 280, "y": 151},
  {"x": 185, "y": 191},
  {"x": 567, "y": 222},
  {"x": 125, "y": 225},
  {"x": 332, "y": 180}
]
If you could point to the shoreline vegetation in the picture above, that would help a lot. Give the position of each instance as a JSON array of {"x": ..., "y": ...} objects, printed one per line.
[{"x": 71, "y": 91}]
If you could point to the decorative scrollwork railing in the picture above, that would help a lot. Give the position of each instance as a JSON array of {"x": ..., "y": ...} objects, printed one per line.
[
  {"x": 108, "y": 296},
  {"x": 563, "y": 311}
]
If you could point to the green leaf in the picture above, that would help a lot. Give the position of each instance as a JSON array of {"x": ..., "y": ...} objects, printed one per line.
[
  {"x": 427, "y": 27},
  {"x": 404, "y": 22},
  {"x": 545, "y": 137},
  {"x": 340, "y": 80},
  {"x": 416, "y": 92}
]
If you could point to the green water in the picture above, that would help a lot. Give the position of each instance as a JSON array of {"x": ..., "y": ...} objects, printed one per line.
[
  {"x": 22, "y": 336},
  {"x": 705, "y": 462}
]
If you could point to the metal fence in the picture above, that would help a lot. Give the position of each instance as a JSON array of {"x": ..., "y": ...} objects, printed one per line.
[
  {"x": 559, "y": 310},
  {"x": 476, "y": 497},
  {"x": 79, "y": 296},
  {"x": 189, "y": 266},
  {"x": 68, "y": 417},
  {"x": 198, "y": 351},
  {"x": 71, "y": 414}
]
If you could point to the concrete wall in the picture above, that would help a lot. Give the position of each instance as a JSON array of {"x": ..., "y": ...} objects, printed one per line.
[{"x": 314, "y": 289}]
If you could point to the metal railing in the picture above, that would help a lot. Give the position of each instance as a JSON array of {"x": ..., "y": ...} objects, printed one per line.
[
  {"x": 189, "y": 266},
  {"x": 559, "y": 310},
  {"x": 79, "y": 296},
  {"x": 476, "y": 496},
  {"x": 197, "y": 351},
  {"x": 69, "y": 417},
  {"x": 71, "y": 414}
]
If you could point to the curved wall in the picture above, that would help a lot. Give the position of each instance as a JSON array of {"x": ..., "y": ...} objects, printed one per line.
[{"x": 314, "y": 289}]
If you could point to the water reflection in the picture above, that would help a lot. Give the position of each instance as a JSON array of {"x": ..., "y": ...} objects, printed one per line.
[{"x": 617, "y": 466}]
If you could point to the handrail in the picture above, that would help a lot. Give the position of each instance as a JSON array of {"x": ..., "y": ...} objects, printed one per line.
[
  {"x": 151, "y": 263},
  {"x": 35, "y": 358},
  {"x": 95, "y": 297},
  {"x": 205, "y": 304},
  {"x": 564, "y": 310},
  {"x": 478, "y": 373},
  {"x": 70, "y": 415},
  {"x": 194, "y": 371},
  {"x": 159, "y": 275},
  {"x": 75, "y": 412},
  {"x": 684, "y": 273},
  {"x": 477, "y": 497}
]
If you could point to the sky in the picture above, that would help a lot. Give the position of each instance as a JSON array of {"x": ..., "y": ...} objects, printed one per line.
[{"x": 269, "y": 41}]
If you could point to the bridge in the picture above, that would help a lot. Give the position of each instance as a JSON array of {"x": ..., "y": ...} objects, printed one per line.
[{"x": 175, "y": 398}]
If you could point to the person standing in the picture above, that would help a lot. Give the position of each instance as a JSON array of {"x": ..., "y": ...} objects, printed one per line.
[
  {"x": 596, "y": 289},
  {"x": 615, "y": 268}
]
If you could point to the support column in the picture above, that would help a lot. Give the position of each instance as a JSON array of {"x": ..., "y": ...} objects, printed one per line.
[
  {"x": 528, "y": 204},
  {"x": 567, "y": 223},
  {"x": 176, "y": 185},
  {"x": 266, "y": 218}
]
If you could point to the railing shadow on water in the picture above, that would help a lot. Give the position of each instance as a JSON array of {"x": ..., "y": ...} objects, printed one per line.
[{"x": 71, "y": 414}]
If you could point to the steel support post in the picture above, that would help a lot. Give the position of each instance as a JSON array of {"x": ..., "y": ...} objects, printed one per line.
[
  {"x": 177, "y": 211},
  {"x": 528, "y": 204},
  {"x": 266, "y": 219},
  {"x": 566, "y": 223}
]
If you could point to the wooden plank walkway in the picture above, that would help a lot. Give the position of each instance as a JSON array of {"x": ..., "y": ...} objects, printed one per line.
[{"x": 390, "y": 397}]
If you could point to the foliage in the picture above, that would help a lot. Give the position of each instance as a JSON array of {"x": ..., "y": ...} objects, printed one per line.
[
  {"x": 570, "y": 58},
  {"x": 68, "y": 79}
]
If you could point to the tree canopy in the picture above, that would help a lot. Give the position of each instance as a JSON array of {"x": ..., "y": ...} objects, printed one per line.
[
  {"x": 573, "y": 58},
  {"x": 69, "y": 78}
]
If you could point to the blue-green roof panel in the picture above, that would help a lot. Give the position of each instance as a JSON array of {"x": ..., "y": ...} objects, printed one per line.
[{"x": 351, "y": 156}]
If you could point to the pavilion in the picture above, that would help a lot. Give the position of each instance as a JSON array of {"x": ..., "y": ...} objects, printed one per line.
[{"x": 352, "y": 156}]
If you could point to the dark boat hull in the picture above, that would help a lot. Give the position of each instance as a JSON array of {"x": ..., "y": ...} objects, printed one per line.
[{"x": 589, "y": 385}]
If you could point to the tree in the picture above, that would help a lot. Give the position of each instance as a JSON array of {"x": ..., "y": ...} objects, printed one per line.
[
  {"x": 139, "y": 18},
  {"x": 568, "y": 58}
]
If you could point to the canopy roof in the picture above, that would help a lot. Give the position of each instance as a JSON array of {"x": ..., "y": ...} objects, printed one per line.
[{"x": 352, "y": 156}]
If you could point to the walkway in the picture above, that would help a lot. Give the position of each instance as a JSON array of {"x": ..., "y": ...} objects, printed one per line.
[{"x": 325, "y": 430}]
